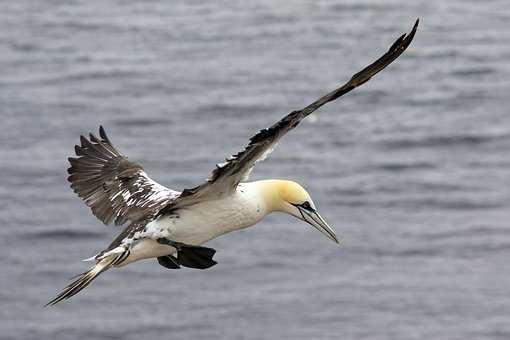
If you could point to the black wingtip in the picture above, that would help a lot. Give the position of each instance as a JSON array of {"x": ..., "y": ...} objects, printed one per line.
[
  {"x": 78, "y": 151},
  {"x": 405, "y": 39},
  {"x": 398, "y": 42},
  {"x": 411, "y": 34},
  {"x": 102, "y": 133},
  {"x": 415, "y": 26},
  {"x": 83, "y": 141},
  {"x": 94, "y": 139}
]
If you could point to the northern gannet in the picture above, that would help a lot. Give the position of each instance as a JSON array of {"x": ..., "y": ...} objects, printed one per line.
[{"x": 169, "y": 225}]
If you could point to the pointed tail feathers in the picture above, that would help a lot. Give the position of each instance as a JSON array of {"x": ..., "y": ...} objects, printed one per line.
[{"x": 83, "y": 280}]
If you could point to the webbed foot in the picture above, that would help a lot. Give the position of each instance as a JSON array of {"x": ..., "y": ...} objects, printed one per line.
[{"x": 187, "y": 255}]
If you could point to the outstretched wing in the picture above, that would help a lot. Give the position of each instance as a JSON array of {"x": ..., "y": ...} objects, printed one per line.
[
  {"x": 228, "y": 175},
  {"x": 115, "y": 188}
]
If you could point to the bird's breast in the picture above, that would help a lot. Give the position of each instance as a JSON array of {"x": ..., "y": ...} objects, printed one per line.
[{"x": 206, "y": 220}]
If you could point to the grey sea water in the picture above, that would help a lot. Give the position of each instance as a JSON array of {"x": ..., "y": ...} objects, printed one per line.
[{"x": 412, "y": 169}]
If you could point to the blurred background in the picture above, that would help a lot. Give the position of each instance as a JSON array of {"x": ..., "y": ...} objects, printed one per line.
[{"x": 412, "y": 169}]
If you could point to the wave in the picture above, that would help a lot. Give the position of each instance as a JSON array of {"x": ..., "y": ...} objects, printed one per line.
[
  {"x": 443, "y": 141},
  {"x": 64, "y": 234}
]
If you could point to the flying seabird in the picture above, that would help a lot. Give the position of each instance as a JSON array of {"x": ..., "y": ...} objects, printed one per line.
[{"x": 171, "y": 226}]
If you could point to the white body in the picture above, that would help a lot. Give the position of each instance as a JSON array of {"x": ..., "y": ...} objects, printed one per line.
[{"x": 201, "y": 222}]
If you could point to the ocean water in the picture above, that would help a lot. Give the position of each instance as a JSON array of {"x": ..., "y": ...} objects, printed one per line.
[{"x": 412, "y": 169}]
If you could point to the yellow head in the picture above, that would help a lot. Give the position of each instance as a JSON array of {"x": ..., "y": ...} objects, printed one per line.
[{"x": 291, "y": 198}]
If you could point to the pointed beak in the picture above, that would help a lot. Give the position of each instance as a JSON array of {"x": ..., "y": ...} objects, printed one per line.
[{"x": 313, "y": 218}]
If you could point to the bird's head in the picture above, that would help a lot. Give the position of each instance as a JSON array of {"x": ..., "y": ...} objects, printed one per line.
[{"x": 291, "y": 198}]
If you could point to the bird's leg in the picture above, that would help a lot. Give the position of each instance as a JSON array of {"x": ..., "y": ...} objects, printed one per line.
[
  {"x": 172, "y": 243},
  {"x": 191, "y": 256}
]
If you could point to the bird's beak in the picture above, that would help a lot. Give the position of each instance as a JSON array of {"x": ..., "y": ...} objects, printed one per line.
[{"x": 311, "y": 216}]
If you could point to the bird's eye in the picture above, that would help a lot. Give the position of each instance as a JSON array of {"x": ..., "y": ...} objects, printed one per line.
[{"x": 306, "y": 205}]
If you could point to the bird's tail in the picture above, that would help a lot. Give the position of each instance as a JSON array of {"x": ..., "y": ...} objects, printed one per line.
[{"x": 83, "y": 279}]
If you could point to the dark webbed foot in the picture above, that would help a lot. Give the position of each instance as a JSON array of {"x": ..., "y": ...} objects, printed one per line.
[
  {"x": 196, "y": 257},
  {"x": 169, "y": 262},
  {"x": 187, "y": 255}
]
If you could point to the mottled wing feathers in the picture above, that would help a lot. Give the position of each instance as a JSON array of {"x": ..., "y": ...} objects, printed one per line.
[
  {"x": 227, "y": 175},
  {"x": 116, "y": 189}
]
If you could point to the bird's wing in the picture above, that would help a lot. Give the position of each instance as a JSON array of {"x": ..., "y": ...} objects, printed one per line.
[
  {"x": 228, "y": 175},
  {"x": 116, "y": 189}
]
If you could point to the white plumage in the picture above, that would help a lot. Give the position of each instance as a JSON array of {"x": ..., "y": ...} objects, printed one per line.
[{"x": 206, "y": 221}]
